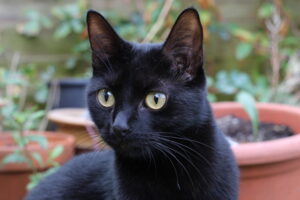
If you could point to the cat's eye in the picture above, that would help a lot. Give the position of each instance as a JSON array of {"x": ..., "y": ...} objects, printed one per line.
[
  {"x": 155, "y": 100},
  {"x": 106, "y": 98}
]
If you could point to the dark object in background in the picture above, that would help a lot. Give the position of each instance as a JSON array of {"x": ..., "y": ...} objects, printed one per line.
[{"x": 69, "y": 93}]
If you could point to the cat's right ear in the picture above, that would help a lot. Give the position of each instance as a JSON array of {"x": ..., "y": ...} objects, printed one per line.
[{"x": 104, "y": 41}]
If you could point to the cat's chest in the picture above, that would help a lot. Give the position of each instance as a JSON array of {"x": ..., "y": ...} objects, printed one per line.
[{"x": 158, "y": 190}]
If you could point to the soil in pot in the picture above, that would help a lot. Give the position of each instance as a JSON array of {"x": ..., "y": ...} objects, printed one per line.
[{"x": 240, "y": 130}]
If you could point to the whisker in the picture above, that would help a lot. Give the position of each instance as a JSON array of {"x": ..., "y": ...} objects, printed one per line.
[
  {"x": 187, "y": 147},
  {"x": 182, "y": 137},
  {"x": 191, "y": 163},
  {"x": 175, "y": 170},
  {"x": 182, "y": 165}
]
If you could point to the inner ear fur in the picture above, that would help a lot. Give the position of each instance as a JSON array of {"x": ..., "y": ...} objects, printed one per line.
[{"x": 184, "y": 45}]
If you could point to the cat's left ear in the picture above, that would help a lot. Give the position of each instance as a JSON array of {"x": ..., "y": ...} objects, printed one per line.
[
  {"x": 184, "y": 45},
  {"x": 103, "y": 39}
]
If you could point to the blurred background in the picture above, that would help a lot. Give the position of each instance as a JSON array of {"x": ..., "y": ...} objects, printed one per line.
[{"x": 250, "y": 45}]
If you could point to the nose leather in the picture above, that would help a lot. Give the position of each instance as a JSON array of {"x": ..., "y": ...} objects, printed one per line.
[{"x": 120, "y": 125}]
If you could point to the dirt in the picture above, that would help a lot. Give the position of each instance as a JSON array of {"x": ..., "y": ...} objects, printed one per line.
[{"x": 240, "y": 130}]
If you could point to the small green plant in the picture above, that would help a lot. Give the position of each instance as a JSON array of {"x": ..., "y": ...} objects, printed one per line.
[
  {"x": 248, "y": 103},
  {"x": 19, "y": 119},
  {"x": 237, "y": 86}
]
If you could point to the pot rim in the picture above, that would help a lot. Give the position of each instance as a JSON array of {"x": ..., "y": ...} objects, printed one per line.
[
  {"x": 65, "y": 140},
  {"x": 69, "y": 116},
  {"x": 264, "y": 152}
]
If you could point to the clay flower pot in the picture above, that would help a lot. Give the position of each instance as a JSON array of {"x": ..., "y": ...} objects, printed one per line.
[
  {"x": 74, "y": 121},
  {"x": 271, "y": 169},
  {"x": 15, "y": 176}
]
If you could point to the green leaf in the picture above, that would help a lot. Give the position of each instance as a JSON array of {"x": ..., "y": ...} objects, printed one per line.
[
  {"x": 212, "y": 98},
  {"x": 59, "y": 13},
  {"x": 224, "y": 83},
  {"x": 15, "y": 157},
  {"x": 37, "y": 157},
  {"x": 20, "y": 117},
  {"x": 206, "y": 16},
  {"x": 71, "y": 63},
  {"x": 36, "y": 115},
  {"x": 31, "y": 28},
  {"x": 210, "y": 81},
  {"x": 62, "y": 31},
  {"x": 19, "y": 140},
  {"x": 40, "y": 139},
  {"x": 266, "y": 10},
  {"x": 33, "y": 15},
  {"x": 35, "y": 178},
  {"x": 77, "y": 26},
  {"x": 243, "y": 50},
  {"x": 31, "y": 185},
  {"x": 248, "y": 102},
  {"x": 41, "y": 94},
  {"x": 57, "y": 151},
  {"x": 46, "y": 22},
  {"x": 31, "y": 119}
]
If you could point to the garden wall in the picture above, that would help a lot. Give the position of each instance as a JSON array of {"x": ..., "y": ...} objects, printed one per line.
[{"x": 45, "y": 49}]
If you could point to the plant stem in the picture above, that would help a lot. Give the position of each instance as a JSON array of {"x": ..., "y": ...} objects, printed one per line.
[
  {"x": 26, "y": 152},
  {"x": 274, "y": 25},
  {"x": 158, "y": 24}
]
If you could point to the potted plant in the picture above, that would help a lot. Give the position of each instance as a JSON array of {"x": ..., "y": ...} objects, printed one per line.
[
  {"x": 25, "y": 155},
  {"x": 269, "y": 169}
]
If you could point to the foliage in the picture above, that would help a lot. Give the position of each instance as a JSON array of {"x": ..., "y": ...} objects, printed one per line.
[
  {"x": 18, "y": 119},
  {"x": 264, "y": 57},
  {"x": 278, "y": 47},
  {"x": 36, "y": 22},
  {"x": 68, "y": 22}
]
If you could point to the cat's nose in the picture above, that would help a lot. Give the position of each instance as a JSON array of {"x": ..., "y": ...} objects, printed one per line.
[
  {"x": 121, "y": 130},
  {"x": 120, "y": 125}
]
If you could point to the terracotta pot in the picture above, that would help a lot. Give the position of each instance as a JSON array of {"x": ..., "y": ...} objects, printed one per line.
[
  {"x": 73, "y": 121},
  {"x": 15, "y": 176},
  {"x": 269, "y": 170}
]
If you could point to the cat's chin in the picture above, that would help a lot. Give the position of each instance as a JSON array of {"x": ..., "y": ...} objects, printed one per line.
[{"x": 130, "y": 152}]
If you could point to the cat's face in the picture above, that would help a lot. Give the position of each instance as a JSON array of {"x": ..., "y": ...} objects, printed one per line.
[{"x": 142, "y": 95}]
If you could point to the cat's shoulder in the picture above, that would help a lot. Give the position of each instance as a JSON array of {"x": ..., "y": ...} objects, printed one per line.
[{"x": 91, "y": 159}]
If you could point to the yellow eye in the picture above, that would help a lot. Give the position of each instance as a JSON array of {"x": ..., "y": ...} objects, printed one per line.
[
  {"x": 155, "y": 100},
  {"x": 106, "y": 98}
]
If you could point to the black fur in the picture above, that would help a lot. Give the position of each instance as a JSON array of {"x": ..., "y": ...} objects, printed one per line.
[{"x": 176, "y": 152}]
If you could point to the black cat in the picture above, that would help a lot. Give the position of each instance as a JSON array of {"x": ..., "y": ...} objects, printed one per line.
[{"x": 149, "y": 102}]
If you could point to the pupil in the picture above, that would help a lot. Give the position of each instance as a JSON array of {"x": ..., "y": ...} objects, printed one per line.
[
  {"x": 106, "y": 96},
  {"x": 155, "y": 99}
]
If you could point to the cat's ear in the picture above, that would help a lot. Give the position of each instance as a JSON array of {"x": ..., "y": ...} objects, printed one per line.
[
  {"x": 184, "y": 45},
  {"x": 103, "y": 39}
]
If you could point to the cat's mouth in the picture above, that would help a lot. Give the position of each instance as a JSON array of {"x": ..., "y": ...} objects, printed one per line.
[{"x": 128, "y": 145}]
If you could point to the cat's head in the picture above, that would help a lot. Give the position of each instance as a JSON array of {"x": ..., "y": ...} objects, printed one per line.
[{"x": 142, "y": 95}]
